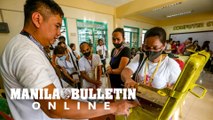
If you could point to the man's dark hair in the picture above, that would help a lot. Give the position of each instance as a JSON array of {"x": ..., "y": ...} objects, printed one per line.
[
  {"x": 84, "y": 43},
  {"x": 59, "y": 43},
  {"x": 61, "y": 38},
  {"x": 190, "y": 39},
  {"x": 156, "y": 31},
  {"x": 44, "y": 7},
  {"x": 100, "y": 40},
  {"x": 59, "y": 50},
  {"x": 121, "y": 30},
  {"x": 72, "y": 45}
]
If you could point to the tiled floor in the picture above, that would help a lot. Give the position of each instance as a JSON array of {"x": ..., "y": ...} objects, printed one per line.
[{"x": 200, "y": 109}]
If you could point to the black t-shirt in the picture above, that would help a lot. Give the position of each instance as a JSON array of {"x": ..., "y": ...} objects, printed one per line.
[{"x": 115, "y": 79}]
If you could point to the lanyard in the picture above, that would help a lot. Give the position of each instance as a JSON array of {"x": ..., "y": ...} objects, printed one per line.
[
  {"x": 146, "y": 81},
  {"x": 74, "y": 63},
  {"x": 40, "y": 47},
  {"x": 37, "y": 43},
  {"x": 117, "y": 53},
  {"x": 90, "y": 63}
]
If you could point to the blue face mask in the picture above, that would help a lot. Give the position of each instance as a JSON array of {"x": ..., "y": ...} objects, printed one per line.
[{"x": 63, "y": 58}]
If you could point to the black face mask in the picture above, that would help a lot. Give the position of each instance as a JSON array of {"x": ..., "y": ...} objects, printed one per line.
[
  {"x": 117, "y": 45},
  {"x": 153, "y": 55},
  {"x": 86, "y": 54},
  {"x": 51, "y": 47}
]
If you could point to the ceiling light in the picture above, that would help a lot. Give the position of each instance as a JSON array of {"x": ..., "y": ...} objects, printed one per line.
[
  {"x": 179, "y": 14},
  {"x": 167, "y": 6}
]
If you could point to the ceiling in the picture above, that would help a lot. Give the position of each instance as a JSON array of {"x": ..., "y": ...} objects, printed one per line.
[
  {"x": 114, "y": 3},
  {"x": 196, "y": 7}
]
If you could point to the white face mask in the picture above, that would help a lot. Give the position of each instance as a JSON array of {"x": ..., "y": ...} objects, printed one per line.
[{"x": 63, "y": 58}]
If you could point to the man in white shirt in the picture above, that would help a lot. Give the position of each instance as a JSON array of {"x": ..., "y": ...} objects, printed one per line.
[
  {"x": 102, "y": 52},
  {"x": 24, "y": 64},
  {"x": 88, "y": 65}
]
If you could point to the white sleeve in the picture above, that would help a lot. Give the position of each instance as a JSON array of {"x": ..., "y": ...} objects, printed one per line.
[
  {"x": 81, "y": 64},
  {"x": 133, "y": 65},
  {"x": 33, "y": 70},
  {"x": 175, "y": 71}
]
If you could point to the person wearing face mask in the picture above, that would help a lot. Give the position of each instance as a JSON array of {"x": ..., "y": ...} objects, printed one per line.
[
  {"x": 87, "y": 65},
  {"x": 120, "y": 57},
  {"x": 72, "y": 59},
  {"x": 67, "y": 68},
  {"x": 157, "y": 70}
]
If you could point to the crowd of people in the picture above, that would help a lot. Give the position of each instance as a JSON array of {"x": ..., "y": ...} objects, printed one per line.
[{"x": 186, "y": 48}]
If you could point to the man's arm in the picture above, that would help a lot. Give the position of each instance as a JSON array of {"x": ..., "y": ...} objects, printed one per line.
[
  {"x": 120, "y": 107},
  {"x": 88, "y": 79},
  {"x": 99, "y": 72},
  {"x": 64, "y": 71}
]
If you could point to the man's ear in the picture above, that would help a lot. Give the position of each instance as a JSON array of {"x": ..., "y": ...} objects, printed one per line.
[{"x": 37, "y": 19}]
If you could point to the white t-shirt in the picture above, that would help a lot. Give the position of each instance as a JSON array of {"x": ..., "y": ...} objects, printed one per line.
[
  {"x": 24, "y": 65},
  {"x": 168, "y": 71},
  {"x": 89, "y": 67},
  {"x": 103, "y": 50}
]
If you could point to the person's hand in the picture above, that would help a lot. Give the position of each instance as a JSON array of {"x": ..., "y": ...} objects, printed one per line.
[
  {"x": 97, "y": 83},
  {"x": 129, "y": 83},
  {"x": 123, "y": 107},
  {"x": 109, "y": 70}
]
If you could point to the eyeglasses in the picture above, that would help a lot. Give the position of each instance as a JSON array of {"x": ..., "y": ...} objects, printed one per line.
[{"x": 155, "y": 48}]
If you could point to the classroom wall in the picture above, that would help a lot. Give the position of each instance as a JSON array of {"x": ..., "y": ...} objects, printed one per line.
[
  {"x": 13, "y": 15},
  {"x": 72, "y": 14},
  {"x": 132, "y": 23}
]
